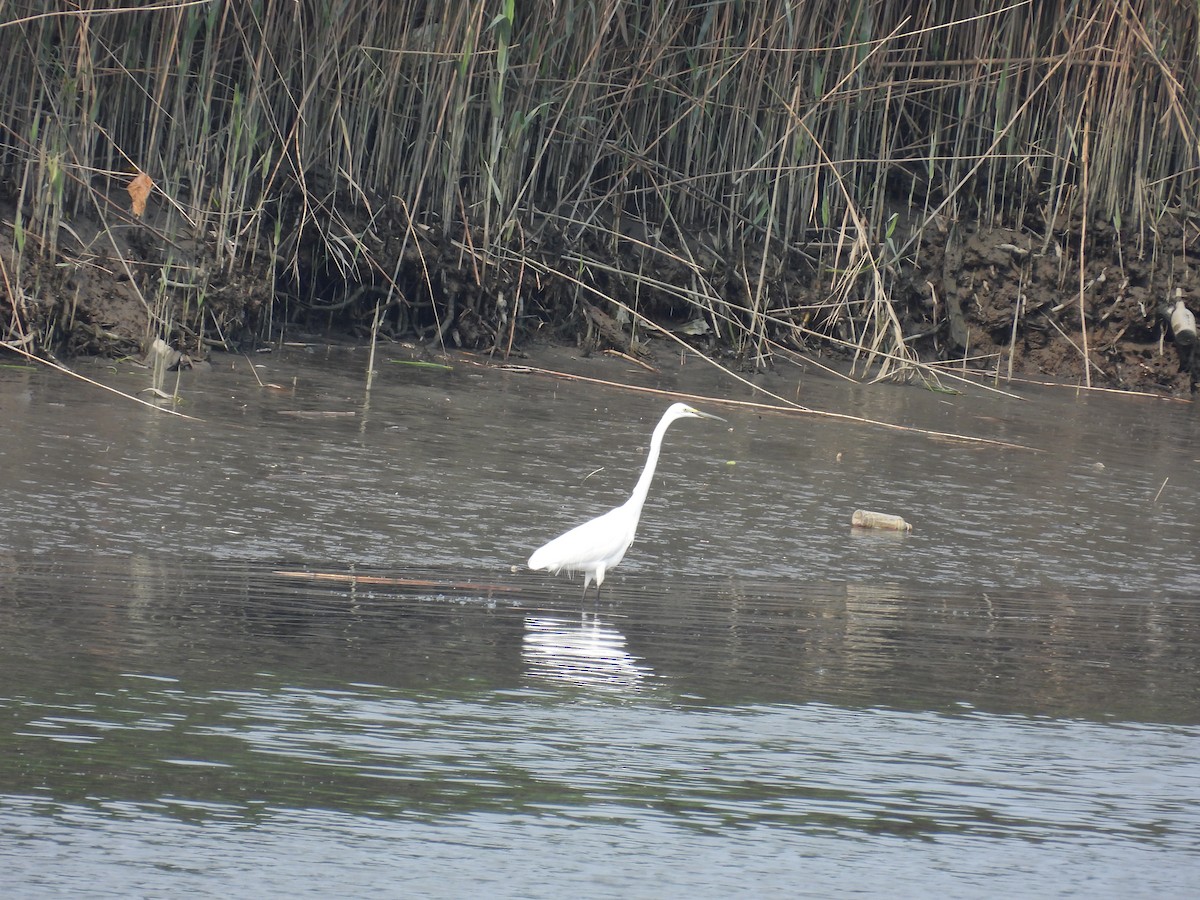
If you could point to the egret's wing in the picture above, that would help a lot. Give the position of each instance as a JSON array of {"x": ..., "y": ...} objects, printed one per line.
[{"x": 603, "y": 539}]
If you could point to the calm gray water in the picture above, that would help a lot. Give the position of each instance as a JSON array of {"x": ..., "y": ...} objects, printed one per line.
[{"x": 290, "y": 649}]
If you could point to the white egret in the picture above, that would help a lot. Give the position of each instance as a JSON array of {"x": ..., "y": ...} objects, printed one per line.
[{"x": 595, "y": 547}]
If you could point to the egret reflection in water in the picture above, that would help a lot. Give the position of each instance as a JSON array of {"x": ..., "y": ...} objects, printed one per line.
[{"x": 584, "y": 652}]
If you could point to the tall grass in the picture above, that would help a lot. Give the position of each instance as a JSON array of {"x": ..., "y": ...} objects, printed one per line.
[{"x": 771, "y": 167}]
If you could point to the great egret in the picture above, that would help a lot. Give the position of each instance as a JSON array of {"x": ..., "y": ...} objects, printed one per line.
[{"x": 597, "y": 546}]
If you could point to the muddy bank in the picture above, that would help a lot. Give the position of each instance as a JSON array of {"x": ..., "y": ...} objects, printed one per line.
[{"x": 1000, "y": 300}]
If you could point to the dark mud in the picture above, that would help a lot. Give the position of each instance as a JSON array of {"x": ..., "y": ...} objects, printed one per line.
[
  {"x": 1019, "y": 298},
  {"x": 1003, "y": 300}
]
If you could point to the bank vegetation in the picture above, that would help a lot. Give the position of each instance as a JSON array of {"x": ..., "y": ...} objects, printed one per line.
[{"x": 1006, "y": 186}]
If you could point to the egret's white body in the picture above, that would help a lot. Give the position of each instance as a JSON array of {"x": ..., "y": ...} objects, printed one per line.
[{"x": 595, "y": 547}]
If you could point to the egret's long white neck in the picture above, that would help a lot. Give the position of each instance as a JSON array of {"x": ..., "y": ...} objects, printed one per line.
[{"x": 642, "y": 488}]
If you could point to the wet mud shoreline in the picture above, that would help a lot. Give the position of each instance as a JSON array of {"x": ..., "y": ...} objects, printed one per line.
[{"x": 993, "y": 302}]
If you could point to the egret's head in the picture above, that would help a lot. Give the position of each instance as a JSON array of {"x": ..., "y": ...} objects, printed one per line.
[{"x": 683, "y": 411}]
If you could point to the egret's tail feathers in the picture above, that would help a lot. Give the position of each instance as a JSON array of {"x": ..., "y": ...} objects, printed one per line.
[{"x": 539, "y": 560}]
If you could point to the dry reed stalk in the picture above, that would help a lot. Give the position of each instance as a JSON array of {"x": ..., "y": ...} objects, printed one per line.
[
  {"x": 789, "y": 408},
  {"x": 724, "y": 151}
]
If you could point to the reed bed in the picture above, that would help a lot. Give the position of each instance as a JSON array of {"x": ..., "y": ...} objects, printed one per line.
[{"x": 766, "y": 175}]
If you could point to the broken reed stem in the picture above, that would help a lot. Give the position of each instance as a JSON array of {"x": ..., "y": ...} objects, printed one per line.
[
  {"x": 1161, "y": 488},
  {"x": 1083, "y": 226},
  {"x": 374, "y": 344},
  {"x": 49, "y": 363},
  {"x": 790, "y": 408}
]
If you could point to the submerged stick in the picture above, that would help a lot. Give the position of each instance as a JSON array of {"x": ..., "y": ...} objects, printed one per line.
[{"x": 350, "y": 578}]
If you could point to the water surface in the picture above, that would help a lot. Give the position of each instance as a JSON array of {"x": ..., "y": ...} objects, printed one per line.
[{"x": 285, "y": 650}]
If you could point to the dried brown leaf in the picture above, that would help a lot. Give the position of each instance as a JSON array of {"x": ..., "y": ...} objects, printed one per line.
[{"x": 139, "y": 189}]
